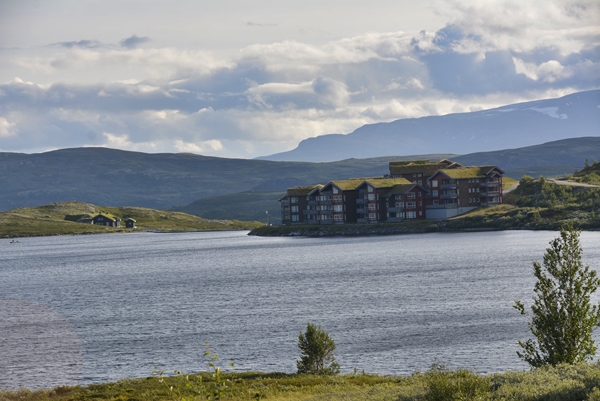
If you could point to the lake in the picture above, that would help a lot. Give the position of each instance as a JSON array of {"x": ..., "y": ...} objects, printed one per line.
[{"x": 87, "y": 309}]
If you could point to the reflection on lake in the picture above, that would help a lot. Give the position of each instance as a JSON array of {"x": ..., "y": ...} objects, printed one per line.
[{"x": 97, "y": 308}]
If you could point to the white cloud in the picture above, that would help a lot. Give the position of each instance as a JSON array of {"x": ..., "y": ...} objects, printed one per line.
[
  {"x": 7, "y": 128},
  {"x": 200, "y": 147}
]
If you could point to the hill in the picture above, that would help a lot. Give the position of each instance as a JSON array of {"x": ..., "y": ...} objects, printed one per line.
[
  {"x": 54, "y": 219},
  {"x": 115, "y": 177},
  {"x": 515, "y": 125}
]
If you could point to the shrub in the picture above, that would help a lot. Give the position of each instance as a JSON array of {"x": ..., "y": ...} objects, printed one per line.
[{"x": 317, "y": 352}]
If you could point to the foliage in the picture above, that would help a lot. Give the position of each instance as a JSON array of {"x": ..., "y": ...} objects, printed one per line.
[
  {"x": 564, "y": 382},
  {"x": 52, "y": 220},
  {"x": 190, "y": 387},
  {"x": 455, "y": 385},
  {"x": 317, "y": 352},
  {"x": 563, "y": 316}
]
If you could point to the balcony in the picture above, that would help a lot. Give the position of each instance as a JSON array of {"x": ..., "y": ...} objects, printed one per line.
[
  {"x": 448, "y": 186},
  {"x": 361, "y": 210},
  {"x": 362, "y": 201},
  {"x": 313, "y": 203},
  {"x": 326, "y": 202},
  {"x": 325, "y": 212},
  {"x": 395, "y": 209},
  {"x": 310, "y": 212},
  {"x": 362, "y": 193},
  {"x": 490, "y": 193},
  {"x": 488, "y": 184},
  {"x": 449, "y": 196},
  {"x": 450, "y": 206},
  {"x": 285, "y": 203},
  {"x": 362, "y": 221},
  {"x": 328, "y": 221},
  {"x": 394, "y": 219}
]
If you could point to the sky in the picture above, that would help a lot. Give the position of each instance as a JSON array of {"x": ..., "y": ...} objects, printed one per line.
[{"x": 243, "y": 79}]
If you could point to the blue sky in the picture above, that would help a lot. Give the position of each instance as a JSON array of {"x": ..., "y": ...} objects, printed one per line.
[{"x": 245, "y": 79}]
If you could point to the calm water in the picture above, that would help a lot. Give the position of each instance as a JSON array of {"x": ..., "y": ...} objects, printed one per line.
[{"x": 98, "y": 308}]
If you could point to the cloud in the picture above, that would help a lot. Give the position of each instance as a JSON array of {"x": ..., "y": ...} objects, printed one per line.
[
  {"x": 134, "y": 41},
  {"x": 6, "y": 128},
  {"x": 250, "y": 23},
  {"x": 267, "y": 97}
]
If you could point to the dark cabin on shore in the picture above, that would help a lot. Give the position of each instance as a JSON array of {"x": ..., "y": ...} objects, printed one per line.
[
  {"x": 104, "y": 219},
  {"x": 130, "y": 223}
]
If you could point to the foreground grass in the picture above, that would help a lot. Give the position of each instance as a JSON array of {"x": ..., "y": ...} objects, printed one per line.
[
  {"x": 50, "y": 220},
  {"x": 565, "y": 382}
]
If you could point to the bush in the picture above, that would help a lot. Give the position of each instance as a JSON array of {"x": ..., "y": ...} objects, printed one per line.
[
  {"x": 458, "y": 385},
  {"x": 317, "y": 352}
]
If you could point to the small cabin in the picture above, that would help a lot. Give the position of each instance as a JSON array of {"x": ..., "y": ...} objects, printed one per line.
[
  {"x": 104, "y": 219},
  {"x": 130, "y": 223}
]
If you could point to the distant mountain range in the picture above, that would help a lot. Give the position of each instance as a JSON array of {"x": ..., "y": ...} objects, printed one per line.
[
  {"x": 516, "y": 125},
  {"x": 160, "y": 181}
]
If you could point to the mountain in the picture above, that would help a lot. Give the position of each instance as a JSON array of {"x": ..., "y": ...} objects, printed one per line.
[
  {"x": 159, "y": 181},
  {"x": 515, "y": 125}
]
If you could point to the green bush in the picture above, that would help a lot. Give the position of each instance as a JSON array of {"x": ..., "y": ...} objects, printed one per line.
[{"x": 455, "y": 385}]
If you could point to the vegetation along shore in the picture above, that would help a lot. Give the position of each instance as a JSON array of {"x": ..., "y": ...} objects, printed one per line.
[{"x": 62, "y": 219}]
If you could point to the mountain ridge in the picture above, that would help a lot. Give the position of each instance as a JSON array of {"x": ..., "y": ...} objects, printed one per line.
[{"x": 520, "y": 124}]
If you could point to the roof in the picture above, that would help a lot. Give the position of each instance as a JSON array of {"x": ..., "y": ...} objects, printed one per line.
[
  {"x": 469, "y": 172},
  {"x": 106, "y": 215},
  {"x": 386, "y": 182},
  {"x": 303, "y": 190},
  {"x": 346, "y": 185},
  {"x": 400, "y": 189},
  {"x": 421, "y": 166},
  {"x": 130, "y": 219}
]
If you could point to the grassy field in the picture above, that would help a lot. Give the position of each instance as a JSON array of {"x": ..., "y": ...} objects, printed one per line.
[
  {"x": 50, "y": 220},
  {"x": 562, "y": 383}
]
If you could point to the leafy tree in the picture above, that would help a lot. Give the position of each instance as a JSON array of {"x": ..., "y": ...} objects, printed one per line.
[
  {"x": 563, "y": 316},
  {"x": 317, "y": 352}
]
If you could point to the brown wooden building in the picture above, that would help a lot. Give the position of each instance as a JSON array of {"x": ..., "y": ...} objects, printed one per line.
[
  {"x": 105, "y": 219},
  {"x": 294, "y": 204}
]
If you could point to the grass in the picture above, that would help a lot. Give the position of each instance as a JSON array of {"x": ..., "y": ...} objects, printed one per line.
[
  {"x": 50, "y": 220},
  {"x": 564, "y": 382}
]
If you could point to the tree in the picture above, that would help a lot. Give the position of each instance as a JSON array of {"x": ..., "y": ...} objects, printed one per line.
[
  {"x": 563, "y": 316},
  {"x": 317, "y": 352}
]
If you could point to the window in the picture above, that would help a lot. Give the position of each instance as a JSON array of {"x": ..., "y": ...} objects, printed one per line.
[
  {"x": 434, "y": 192},
  {"x": 338, "y": 217},
  {"x": 337, "y": 208},
  {"x": 411, "y": 215},
  {"x": 420, "y": 194},
  {"x": 294, "y": 199},
  {"x": 420, "y": 213},
  {"x": 370, "y": 188},
  {"x": 337, "y": 198},
  {"x": 295, "y": 217},
  {"x": 371, "y": 197},
  {"x": 335, "y": 190},
  {"x": 398, "y": 204},
  {"x": 411, "y": 195},
  {"x": 411, "y": 205},
  {"x": 294, "y": 209},
  {"x": 420, "y": 203},
  {"x": 420, "y": 175},
  {"x": 434, "y": 183},
  {"x": 372, "y": 216},
  {"x": 477, "y": 189},
  {"x": 372, "y": 206},
  {"x": 436, "y": 202},
  {"x": 420, "y": 182}
]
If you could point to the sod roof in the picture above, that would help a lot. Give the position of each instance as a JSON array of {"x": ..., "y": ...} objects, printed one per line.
[
  {"x": 107, "y": 215},
  {"x": 346, "y": 185},
  {"x": 303, "y": 190},
  {"x": 421, "y": 166},
  {"x": 468, "y": 172},
  {"x": 386, "y": 182},
  {"x": 399, "y": 189}
]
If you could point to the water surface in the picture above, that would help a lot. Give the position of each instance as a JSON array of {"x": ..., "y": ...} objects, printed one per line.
[{"x": 96, "y": 308}]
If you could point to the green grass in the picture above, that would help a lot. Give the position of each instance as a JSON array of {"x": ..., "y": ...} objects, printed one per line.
[
  {"x": 50, "y": 220},
  {"x": 564, "y": 383},
  {"x": 588, "y": 175}
]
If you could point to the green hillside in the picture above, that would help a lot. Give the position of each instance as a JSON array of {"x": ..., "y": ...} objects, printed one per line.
[
  {"x": 159, "y": 181},
  {"x": 54, "y": 219}
]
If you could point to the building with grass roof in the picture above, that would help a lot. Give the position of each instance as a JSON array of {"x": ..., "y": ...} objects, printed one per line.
[
  {"x": 106, "y": 219},
  {"x": 335, "y": 202},
  {"x": 459, "y": 190},
  {"x": 372, "y": 204},
  {"x": 418, "y": 171},
  {"x": 294, "y": 204}
]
